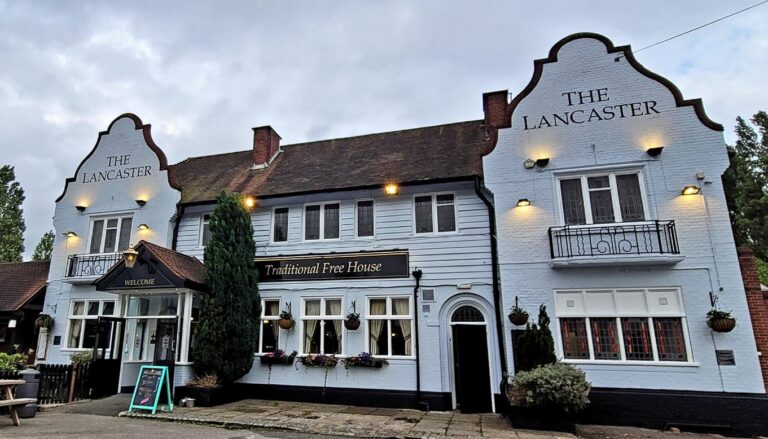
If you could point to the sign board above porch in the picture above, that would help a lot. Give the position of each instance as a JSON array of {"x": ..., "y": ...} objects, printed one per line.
[{"x": 334, "y": 266}]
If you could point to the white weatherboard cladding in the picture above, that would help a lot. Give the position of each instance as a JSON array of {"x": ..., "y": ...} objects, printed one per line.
[
  {"x": 690, "y": 147},
  {"x": 446, "y": 259},
  {"x": 106, "y": 198}
]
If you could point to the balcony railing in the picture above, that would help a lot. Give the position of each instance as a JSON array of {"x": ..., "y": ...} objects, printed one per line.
[
  {"x": 648, "y": 238},
  {"x": 82, "y": 266}
]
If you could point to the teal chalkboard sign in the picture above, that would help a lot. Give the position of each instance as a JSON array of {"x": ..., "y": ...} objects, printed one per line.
[{"x": 149, "y": 385}]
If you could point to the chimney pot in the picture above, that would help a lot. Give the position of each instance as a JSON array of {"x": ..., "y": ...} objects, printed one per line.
[
  {"x": 266, "y": 145},
  {"x": 495, "y": 109}
]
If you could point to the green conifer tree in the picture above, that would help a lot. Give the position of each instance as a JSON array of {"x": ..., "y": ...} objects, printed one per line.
[
  {"x": 226, "y": 333},
  {"x": 535, "y": 346},
  {"x": 11, "y": 216},
  {"x": 44, "y": 247}
]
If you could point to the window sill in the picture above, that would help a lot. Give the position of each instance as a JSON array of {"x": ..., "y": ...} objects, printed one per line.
[{"x": 633, "y": 363}]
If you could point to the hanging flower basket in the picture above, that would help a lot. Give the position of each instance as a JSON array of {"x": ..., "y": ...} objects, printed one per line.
[
  {"x": 352, "y": 322},
  {"x": 518, "y": 316},
  {"x": 720, "y": 321},
  {"x": 363, "y": 360},
  {"x": 286, "y": 319},
  {"x": 278, "y": 357}
]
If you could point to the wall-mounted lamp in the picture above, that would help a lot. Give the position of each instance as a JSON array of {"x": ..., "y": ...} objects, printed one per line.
[
  {"x": 654, "y": 152},
  {"x": 691, "y": 190},
  {"x": 529, "y": 163},
  {"x": 130, "y": 257},
  {"x": 12, "y": 323},
  {"x": 143, "y": 227},
  {"x": 391, "y": 189},
  {"x": 249, "y": 202},
  {"x": 80, "y": 209},
  {"x": 523, "y": 202},
  {"x": 543, "y": 162},
  {"x": 141, "y": 203},
  {"x": 70, "y": 234}
]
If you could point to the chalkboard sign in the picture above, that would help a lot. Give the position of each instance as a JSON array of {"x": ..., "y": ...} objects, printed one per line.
[{"x": 149, "y": 386}]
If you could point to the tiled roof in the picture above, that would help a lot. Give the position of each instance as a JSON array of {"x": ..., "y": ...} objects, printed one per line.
[
  {"x": 449, "y": 151},
  {"x": 19, "y": 282},
  {"x": 184, "y": 266}
]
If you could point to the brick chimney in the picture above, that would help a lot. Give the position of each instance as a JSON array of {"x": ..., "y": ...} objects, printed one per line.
[
  {"x": 757, "y": 302},
  {"x": 266, "y": 145},
  {"x": 495, "y": 109}
]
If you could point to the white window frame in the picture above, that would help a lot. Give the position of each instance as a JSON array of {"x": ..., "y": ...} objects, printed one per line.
[
  {"x": 203, "y": 222},
  {"x": 614, "y": 195},
  {"x": 648, "y": 315},
  {"x": 435, "y": 223},
  {"x": 388, "y": 317},
  {"x": 373, "y": 206},
  {"x": 119, "y": 219},
  {"x": 85, "y": 316},
  {"x": 322, "y": 221},
  {"x": 322, "y": 319},
  {"x": 288, "y": 228},
  {"x": 266, "y": 317}
]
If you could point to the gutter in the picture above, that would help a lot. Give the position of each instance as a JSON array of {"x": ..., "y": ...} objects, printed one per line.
[{"x": 417, "y": 275}]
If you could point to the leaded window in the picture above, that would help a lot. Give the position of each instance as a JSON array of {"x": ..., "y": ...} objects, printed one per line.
[
  {"x": 602, "y": 199},
  {"x": 365, "y": 221},
  {"x": 435, "y": 213},
  {"x": 280, "y": 225}
]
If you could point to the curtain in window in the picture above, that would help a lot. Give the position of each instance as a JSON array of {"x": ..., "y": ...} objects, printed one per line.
[
  {"x": 271, "y": 308},
  {"x": 98, "y": 228},
  {"x": 74, "y": 333},
  {"x": 312, "y": 309},
  {"x": 402, "y": 308},
  {"x": 334, "y": 308},
  {"x": 573, "y": 201},
  {"x": 377, "y": 326},
  {"x": 630, "y": 199}
]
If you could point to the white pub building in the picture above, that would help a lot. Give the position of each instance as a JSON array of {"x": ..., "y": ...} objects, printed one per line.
[{"x": 596, "y": 191}]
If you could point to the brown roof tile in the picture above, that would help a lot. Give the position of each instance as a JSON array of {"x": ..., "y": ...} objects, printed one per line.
[
  {"x": 449, "y": 151},
  {"x": 183, "y": 266},
  {"x": 20, "y": 281}
]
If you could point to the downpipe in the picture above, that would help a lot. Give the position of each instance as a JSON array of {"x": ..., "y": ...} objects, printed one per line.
[{"x": 419, "y": 403}]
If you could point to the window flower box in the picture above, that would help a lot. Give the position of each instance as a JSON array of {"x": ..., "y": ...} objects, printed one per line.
[
  {"x": 319, "y": 360},
  {"x": 278, "y": 357},
  {"x": 363, "y": 360}
]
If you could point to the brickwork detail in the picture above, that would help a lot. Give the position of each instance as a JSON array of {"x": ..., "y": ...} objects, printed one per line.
[{"x": 758, "y": 306}]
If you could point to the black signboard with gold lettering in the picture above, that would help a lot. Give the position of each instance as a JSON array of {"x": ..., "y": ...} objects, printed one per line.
[{"x": 334, "y": 266}]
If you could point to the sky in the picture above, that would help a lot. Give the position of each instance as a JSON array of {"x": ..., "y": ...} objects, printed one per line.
[{"x": 204, "y": 73}]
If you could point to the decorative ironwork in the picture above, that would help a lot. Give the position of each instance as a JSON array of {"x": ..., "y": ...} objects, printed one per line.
[
  {"x": 91, "y": 265},
  {"x": 467, "y": 314},
  {"x": 652, "y": 237}
]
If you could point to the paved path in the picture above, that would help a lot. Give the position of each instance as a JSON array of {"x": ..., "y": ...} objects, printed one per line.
[{"x": 349, "y": 421}]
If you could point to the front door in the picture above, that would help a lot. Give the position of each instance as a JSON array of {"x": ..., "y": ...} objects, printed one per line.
[
  {"x": 471, "y": 366},
  {"x": 165, "y": 345}
]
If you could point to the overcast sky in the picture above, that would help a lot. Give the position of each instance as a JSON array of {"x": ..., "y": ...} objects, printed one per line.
[{"x": 203, "y": 74}]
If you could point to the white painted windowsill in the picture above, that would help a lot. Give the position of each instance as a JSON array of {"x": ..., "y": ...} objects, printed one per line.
[{"x": 632, "y": 363}]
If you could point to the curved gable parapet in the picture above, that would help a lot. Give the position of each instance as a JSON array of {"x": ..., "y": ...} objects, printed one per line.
[{"x": 147, "y": 135}]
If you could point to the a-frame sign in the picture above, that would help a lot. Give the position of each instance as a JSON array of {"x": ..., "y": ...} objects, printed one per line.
[{"x": 149, "y": 385}]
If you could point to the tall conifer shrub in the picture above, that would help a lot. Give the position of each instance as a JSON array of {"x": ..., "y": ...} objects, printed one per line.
[
  {"x": 535, "y": 346},
  {"x": 226, "y": 335}
]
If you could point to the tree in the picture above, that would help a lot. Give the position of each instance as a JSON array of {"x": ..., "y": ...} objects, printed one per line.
[
  {"x": 44, "y": 247},
  {"x": 535, "y": 346},
  {"x": 226, "y": 334},
  {"x": 11, "y": 220},
  {"x": 746, "y": 186}
]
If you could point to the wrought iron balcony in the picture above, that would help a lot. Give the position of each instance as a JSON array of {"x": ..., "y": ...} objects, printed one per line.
[
  {"x": 91, "y": 266},
  {"x": 644, "y": 240}
]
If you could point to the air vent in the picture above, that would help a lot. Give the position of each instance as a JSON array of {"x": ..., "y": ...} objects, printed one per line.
[
  {"x": 725, "y": 358},
  {"x": 425, "y": 309},
  {"x": 428, "y": 295}
]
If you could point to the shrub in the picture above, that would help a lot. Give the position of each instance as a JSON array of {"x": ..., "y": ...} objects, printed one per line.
[
  {"x": 555, "y": 386},
  {"x": 716, "y": 314},
  {"x": 208, "y": 381},
  {"x": 535, "y": 346},
  {"x": 12, "y": 362},
  {"x": 79, "y": 358}
]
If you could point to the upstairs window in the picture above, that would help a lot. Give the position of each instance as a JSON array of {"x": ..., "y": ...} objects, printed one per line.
[
  {"x": 365, "y": 218},
  {"x": 602, "y": 199},
  {"x": 110, "y": 235},
  {"x": 205, "y": 229},
  {"x": 321, "y": 221},
  {"x": 435, "y": 213},
  {"x": 280, "y": 224}
]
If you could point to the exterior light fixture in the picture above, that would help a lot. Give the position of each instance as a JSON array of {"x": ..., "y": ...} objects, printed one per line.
[
  {"x": 654, "y": 152},
  {"x": 523, "y": 202},
  {"x": 529, "y": 164},
  {"x": 70, "y": 234},
  {"x": 80, "y": 209},
  {"x": 143, "y": 227},
  {"x": 250, "y": 202},
  {"x": 12, "y": 323},
  {"x": 391, "y": 189},
  {"x": 130, "y": 257},
  {"x": 691, "y": 190},
  {"x": 543, "y": 162},
  {"x": 141, "y": 203}
]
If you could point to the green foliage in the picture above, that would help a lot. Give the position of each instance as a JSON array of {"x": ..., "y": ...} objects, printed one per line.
[
  {"x": 226, "y": 334},
  {"x": 44, "y": 247},
  {"x": 559, "y": 386},
  {"x": 762, "y": 270},
  {"x": 11, "y": 216},
  {"x": 12, "y": 362},
  {"x": 717, "y": 314},
  {"x": 83, "y": 357},
  {"x": 535, "y": 346},
  {"x": 746, "y": 184}
]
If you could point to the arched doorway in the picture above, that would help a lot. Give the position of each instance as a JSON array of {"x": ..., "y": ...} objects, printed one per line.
[{"x": 470, "y": 360}]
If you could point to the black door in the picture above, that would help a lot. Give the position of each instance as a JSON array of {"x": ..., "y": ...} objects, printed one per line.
[
  {"x": 165, "y": 348},
  {"x": 470, "y": 357},
  {"x": 104, "y": 371}
]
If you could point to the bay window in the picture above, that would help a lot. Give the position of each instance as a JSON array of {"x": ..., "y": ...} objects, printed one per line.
[
  {"x": 389, "y": 326},
  {"x": 602, "y": 198},
  {"x": 321, "y": 325}
]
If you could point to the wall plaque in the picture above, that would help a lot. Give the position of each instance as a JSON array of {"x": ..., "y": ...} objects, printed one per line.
[{"x": 364, "y": 265}]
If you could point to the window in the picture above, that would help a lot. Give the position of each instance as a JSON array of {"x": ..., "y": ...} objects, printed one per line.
[
  {"x": 270, "y": 332},
  {"x": 110, "y": 235},
  {"x": 205, "y": 229},
  {"x": 639, "y": 325},
  {"x": 83, "y": 315},
  {"x": 390, "y": 321},
  {"x": 280, "y": 224},
  {"x": 321, "y": 320},
  {"x": 365, "y": 218},
  {"x": 435, "y": 212},
  {"x": 601, "y": 199},
  {"x": 321, "y": 220}
]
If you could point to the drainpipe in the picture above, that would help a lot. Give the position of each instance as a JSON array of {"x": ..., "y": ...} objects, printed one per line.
[
  {"x": 495, "y": 266},
  {"x": 179, "y": 213},
  {"x": 417, "y": 275}
]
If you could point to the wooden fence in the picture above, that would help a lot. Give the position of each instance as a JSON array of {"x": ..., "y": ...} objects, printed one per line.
[{"x": 60, "y": 383}]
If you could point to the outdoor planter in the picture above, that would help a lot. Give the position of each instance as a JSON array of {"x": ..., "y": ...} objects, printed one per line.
[
  {"x": 278, "y": 358},
  {"x": 352, "y": 324},
  {"x": 518, "y": 318},
  {"x": 722, "y": 325},
  {"x": 205, "y": 396},
  {"x": 363, "y": 360},
  {"x": 286, "y": 323},
  {"x": 542, "y": 418}
]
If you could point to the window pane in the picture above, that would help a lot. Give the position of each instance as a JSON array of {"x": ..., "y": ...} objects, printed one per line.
[
  {"x": 573, "y": 201},
  {"x": 206, "y": 229},
  {"x": 365, "y": 218},
  {"x": 109, "y": 309},
  {"x": 333, "y": 307},
  {"x": 331, "y": 221},
  {"x": 446, "y": 214},
  {"x": 110, "y": 240},
  {"x": 312, "y": 222},
  {"x": 630, "y": 199},
  {"x": 271, "y": 308},
  {"x": 312, "y": 336},
  {"x": 637, "y": 339},
  {"x": 574, "y": 336},
  {"x": 669, "y": 340},
  {"x": 400, "y": 307},
  {"x": 156, "y": 305},
  {"x": 139, "y": 335},
  {"x": 78, "y": 308},
  {"x": 112, "y": 223},
  {"x": 280, "y": 233},
  {"x": 98, "y": 228},
  {"x": 401, "y": 337},
  {"x": 332, "y": 337},
  {"x": 378, "y": 307},
  {"x": 602, "y": 206},
  {"x": 89, "y": 337},
  {"x": 378, "y": 337},
  {"x": 605, "y": 339},
  {"x": 423, "y": 214},
  {"x": 269, "y": 335},
  {"x": 601, "y": 182},
  {"x": 93, "y": 308},
  {"x": 75, "y": 326},
  {"x": 125, "y": 234},
  {"x": 312, "y": 308}
]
